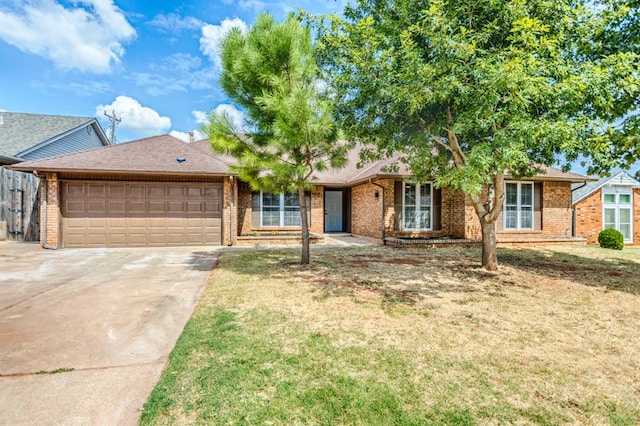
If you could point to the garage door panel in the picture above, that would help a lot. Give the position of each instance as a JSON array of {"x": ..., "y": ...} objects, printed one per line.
[
  {"x": 137, "y": 191},
  {"x": 157, "y": 207},
  {"x": 136, "y": 207},
  {"x": 119, "y": 191},
  {"x": 117, "y": 214},
  {"x": 117, "y": 240},
  {"x": 75, "y": 206},
  {"x": 117, "y": 206},
  {"x": 97, "y": 190},
  {"x": 137, "y": 239}
]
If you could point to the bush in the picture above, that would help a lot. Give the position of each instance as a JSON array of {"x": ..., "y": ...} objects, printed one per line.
[{"x": 611, "y": 238}]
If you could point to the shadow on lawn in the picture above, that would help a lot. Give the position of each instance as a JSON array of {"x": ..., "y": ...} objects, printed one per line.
[
  {"x": 406, "y": 275},
  {"x": 619, "y": 275}
]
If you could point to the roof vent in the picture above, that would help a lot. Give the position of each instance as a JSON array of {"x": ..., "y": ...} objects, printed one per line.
[
  {"x": 181, "y": 159},
  {"x": 1, "y": 119}
]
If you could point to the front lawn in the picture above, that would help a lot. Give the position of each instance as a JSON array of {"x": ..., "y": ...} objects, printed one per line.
[{"x": 378, "y": 336}]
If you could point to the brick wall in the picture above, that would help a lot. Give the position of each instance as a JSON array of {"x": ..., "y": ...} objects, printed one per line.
[
  {"x": 366, "y": 209},
  {"x": 317, "y": 210},
  {"x": 556, "y": 217},
  {"x": 245, "y": 212},
  {"x": 52, "y": 224},
  {"x": 366, "y": 213},
  {"x": 454, "y": 206},
  {"x": 589, "y": 217},
  {"x": 556, "y": 209},
  {"x": 244, "y": 208},
  {"x": 229, "y": 208}
]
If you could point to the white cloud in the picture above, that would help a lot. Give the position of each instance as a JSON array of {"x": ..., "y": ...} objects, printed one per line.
[
  {"x": 197, "y": 135},
  {"x": 200, "y": 116},
  {"x": 212, "y": 35},
  {"x": 237, "y": 117},
  {"x": 87, "y": 39},
  {"x": 141, "y": 120},
  {"x": 174, "y": 23}
]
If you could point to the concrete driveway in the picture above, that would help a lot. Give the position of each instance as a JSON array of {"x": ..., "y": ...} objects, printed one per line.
[{"x": 85, "y": 333}]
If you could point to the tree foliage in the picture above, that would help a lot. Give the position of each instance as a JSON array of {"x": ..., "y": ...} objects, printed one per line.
[
  {"x": 271, "y": 73},
  {"x": 471, "y": 91}
]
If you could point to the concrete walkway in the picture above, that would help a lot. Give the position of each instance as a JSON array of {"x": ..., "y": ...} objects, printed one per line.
[{"x": 85, "y": 333}]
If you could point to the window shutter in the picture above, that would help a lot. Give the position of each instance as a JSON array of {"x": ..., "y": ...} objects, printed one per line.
[
  {"x": 397, "y": 205},
  {"x": 307, "y": 199},
  {"x": 255, "y": 210},
  {"x": 437, "y": 209},
  {"x": 537, "y": 206}
]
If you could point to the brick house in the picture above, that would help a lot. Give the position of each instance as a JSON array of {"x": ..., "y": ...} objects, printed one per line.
[
  {"x": 611, "y": 202},
  {"x": 162, "y": 191}
]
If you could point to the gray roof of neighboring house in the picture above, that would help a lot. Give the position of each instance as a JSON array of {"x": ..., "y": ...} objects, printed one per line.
[
  {"x": 618, "y": 179},
  {"x": 20, "y": 132}
]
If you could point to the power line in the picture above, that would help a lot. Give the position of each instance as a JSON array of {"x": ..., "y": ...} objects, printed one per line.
[{"x": 114, "y": 122}]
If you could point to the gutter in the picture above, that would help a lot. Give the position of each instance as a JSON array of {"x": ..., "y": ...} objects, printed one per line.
[
  {"x": 382, "y": 227},
  {"x": 43, "y": 229}
]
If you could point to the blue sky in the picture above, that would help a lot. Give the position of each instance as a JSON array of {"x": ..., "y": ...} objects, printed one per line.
[{"x": 154, "y": 63}]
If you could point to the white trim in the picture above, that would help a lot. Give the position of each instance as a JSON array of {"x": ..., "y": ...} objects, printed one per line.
[
  {"x": 617, "y": 206},
  {"x": 519, "y": 206},
  {"x": 624, "y": 179},
  {"x": 417, "y": 187}
]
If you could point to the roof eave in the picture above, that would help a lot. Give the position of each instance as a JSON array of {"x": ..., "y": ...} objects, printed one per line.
[{"x": 119, "y": 172}]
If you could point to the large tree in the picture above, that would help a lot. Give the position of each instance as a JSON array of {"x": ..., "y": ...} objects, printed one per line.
[
  {"x": 472, "y": 91},
  {"x": 271, "y": 73}
]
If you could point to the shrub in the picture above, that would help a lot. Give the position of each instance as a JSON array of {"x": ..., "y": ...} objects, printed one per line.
[{"x": 611, "y": 238}]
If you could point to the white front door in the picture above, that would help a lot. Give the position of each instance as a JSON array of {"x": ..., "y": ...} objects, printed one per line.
[{"x": 333, "y": 211}]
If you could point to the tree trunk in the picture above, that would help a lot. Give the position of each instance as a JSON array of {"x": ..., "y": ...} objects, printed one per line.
[
  {"x": 305, "y": 227},
  {"x": 489, "y": 245}
]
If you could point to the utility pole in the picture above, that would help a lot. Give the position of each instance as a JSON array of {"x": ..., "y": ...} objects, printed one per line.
[{"x": 114, "y": 122}]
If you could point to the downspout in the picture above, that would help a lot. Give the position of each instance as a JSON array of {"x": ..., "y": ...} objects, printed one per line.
[
  {"x": 43, "y": 228},
  {"x": 574, "y": 232},
  {"x": 231, "y": 201},
  {"x": 382, "y": 227}
]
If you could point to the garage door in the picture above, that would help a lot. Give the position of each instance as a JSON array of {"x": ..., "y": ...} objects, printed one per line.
[{"x": 131, "y": 214}]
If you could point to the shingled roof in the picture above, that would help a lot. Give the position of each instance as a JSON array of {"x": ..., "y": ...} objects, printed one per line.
[
  {"x": 160, "y": 154},
  {"x": 164, "y": 155},
  {"x": 21, "y": 131}
]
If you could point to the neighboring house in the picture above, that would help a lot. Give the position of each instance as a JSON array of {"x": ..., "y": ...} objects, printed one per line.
[
  {"x": 25, "y": 137},
  {"x": 611, "y": 202},
  {"x": 162, "y": 191}
]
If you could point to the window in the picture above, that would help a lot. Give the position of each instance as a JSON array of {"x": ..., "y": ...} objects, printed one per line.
[
  {"x": 617, "y": 211},
  {"x": 416, "y": 206},
  {"x": 518, "y": 205},
  {"x": 279, "y": 210}
]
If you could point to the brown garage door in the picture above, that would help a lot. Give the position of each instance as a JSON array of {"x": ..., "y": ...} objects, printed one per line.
[{"x": 132, "y": 214}]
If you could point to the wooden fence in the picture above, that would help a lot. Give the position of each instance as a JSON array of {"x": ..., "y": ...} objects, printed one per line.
[{"x": 19, "y": 205}]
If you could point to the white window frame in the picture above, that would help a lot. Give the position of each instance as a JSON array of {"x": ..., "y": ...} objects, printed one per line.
[
  {"x": 519, "y": 206},
  {"x": 417, "y": 187},
  {"x": 281, "y": 210},
  {"x": 617, "y": 206}
]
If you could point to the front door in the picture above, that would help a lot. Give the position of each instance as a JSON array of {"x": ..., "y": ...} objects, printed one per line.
[{"x": 333, "y": 211}]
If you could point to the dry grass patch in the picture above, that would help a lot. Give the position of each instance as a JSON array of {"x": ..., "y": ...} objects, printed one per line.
[{"x": 378, "y": 335}]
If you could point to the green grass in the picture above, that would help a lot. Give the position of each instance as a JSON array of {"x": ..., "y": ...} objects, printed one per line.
[{"x": 359, "y": 338}]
